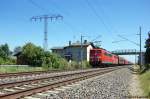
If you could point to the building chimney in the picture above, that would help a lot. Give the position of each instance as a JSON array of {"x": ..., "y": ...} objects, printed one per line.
[
  {"x": 85, "y": 41},
  {"x": 69, "y": 43}
]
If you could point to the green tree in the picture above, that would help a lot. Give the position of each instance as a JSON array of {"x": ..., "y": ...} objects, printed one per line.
[
  {"x": 147, "y": 53},
  {"x": 147, "y": 56},
  {"x": 5, "y": 55},
  {"x": 36, "y": 56},
  {"x": 31, "y": 54},
  {"x": 4, "y": 51},
  {"x": 51, "y": 60}
]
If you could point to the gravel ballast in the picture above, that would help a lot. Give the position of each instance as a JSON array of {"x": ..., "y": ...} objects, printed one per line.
[{"x": 112, "y": 85}]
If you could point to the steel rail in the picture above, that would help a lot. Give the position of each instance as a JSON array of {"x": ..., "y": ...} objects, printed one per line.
[
  {"x": 3, "y": 75},
  {"x": 18, "y": 83}
]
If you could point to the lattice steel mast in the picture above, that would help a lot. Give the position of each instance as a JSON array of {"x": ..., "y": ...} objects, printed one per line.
[{"x": 46, "y": 17}]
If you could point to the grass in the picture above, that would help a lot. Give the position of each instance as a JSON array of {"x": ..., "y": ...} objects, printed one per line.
[
  {"x": 14, "y": 69},
  {"x": 145, "y": 83}
]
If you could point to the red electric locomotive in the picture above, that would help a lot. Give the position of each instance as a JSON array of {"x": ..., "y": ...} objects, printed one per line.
[{"x": 102, "y": 57}]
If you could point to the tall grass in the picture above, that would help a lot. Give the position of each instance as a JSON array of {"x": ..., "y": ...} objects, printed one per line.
[
  {"x": 14, "y": 69},
  {"x": 63, "y": 65},
  {"x": 145, "y": 83}
]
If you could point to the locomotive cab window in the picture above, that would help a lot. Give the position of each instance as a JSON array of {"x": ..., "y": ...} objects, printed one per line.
[{"x": 98, "y": 51}]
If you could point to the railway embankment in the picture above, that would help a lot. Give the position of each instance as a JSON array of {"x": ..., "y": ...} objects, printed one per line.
[
  {"x": 140, "y": 82},
  {"x": 144, "y": 81},
  {"x": 113, "y": 85},
  {"x": 135, "y": 88}
]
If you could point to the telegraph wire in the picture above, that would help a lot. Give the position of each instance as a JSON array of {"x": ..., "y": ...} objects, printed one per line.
[
  {"x": 107, "y": 18},
  {"x": 97, "y": 15},
  {"x": 128, "y": 40},
  {"x": 65, "y": 22},
  {"x": 57, "y": 7},
  {"x": 37, "y": 5}
]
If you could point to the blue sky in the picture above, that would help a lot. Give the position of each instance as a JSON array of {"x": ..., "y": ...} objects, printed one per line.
[{"x": 90, "y": 18}]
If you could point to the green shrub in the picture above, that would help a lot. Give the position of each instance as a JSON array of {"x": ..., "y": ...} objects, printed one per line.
[
  {"x": 1, "y": 61},
  {"x": 63, "y": 64},
  {"x": 85, "y": 64},
  {"x": 74, "y": 65},
  {"x": 53, "y": 61},
  {"x": 7, "y": 61}
]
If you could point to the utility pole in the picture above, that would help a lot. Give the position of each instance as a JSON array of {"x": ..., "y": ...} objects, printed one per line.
[
  {"x": 140, "y": 49},
  {"x": 81, "y": 53},
  {"x": 135, "y": 56},
  {"x": 46, "y": 17},
  {"x": 140, "y": 55}
]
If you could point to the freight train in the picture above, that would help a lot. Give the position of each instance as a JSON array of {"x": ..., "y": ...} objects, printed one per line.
[{"x": 100, "y": 57}]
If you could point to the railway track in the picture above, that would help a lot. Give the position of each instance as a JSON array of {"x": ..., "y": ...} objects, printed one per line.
[
  {"x": 28, "y": 87},
  {"x": 15, "y": 77},
  {"x": 4, "y": 75},
  {"x": 30, "y": 76}
]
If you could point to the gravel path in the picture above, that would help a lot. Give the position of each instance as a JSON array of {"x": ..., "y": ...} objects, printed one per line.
[{"x": 112, "y": 85}]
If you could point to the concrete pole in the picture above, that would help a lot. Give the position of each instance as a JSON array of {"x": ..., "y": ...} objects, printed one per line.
[
  {"x": 81, "y": 51},
  {"x": 140, "y": 49}
]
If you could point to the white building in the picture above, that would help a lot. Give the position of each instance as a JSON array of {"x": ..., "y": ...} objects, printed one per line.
[{"x": 73, "y": 51}]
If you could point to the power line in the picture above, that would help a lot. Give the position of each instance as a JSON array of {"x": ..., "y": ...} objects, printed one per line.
[
  {"x": 37, "y": 5},
  {"x": 96, "y": 38},
  {"x": 118, "y": 41},
  {"x": 97, "y": 15},
  {"x": 57, "y": 7},
  {"x": 113, "y": 28},
  {"x": 128, "y": 40},
  {"x": 43, "y": 9},
  {"x": 72, "y": 28}
]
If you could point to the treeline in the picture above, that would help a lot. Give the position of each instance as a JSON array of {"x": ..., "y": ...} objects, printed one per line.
[
  {"x": 147, "y": 53},
  {"x": 33, "y": 55}
]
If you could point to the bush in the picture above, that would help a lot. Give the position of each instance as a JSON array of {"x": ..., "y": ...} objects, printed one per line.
[
  {"x": 86, "y": 64},
  {"x": 1, "y": 61},
  {"x": 75, "y": 65},
  {"x": 53, "y": 61},
  {"x": 63, "y": 64},
  {"x": 7, "y": 61},
  {"x": 72, "y": 65}
]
